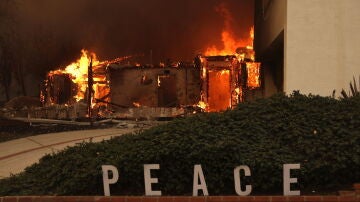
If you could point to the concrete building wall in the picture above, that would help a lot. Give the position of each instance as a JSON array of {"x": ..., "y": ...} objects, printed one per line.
[
  {"x": 322, "y": 45},
  {"x": 270, "y": 19},
  {"x": 270, "y": 16}
]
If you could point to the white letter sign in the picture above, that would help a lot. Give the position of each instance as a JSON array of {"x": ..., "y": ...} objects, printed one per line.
[
  {"x": 106, "y": 180},
  {"x": 237, "y": 180},
  {"x": 148, "y": 180},
  {"x": 199, "y": 175},
  {"x": 287, "y": 180}
]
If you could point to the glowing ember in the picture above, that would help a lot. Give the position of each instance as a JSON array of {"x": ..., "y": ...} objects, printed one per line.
[
  {"x": 158, "y": 81},
  {"x": 253, "y": 71},
  {"x": 202, "y": 105},
  {"x": 136, "y": 104},
  {"x": 219, "y": 91}
]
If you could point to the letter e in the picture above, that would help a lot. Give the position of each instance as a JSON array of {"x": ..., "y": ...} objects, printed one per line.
[
  {"x": 287, "y": 180},
  {"x": 148, "y": 180}
]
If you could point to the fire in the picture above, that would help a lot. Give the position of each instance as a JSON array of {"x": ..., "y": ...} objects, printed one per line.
[
  {"x": 231, "y": 45},
  {"x": 158, "y": 81},
  {"x": 202, "y": 105},
  {"x": 253, "y": 74},
  {"x": 219, "y": 90},
  {"x": 225, "y": 80},
  {"x": 79, "y": 72},
  {"x": 136, "y": 104},
  {"x": 230, "y": 42},
  {"x": 224, "y": 71}
]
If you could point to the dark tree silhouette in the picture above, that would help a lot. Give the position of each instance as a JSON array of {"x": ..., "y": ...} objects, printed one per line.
[{"x": 6, "y": 58}]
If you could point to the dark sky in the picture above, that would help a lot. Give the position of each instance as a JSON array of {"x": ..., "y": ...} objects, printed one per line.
[{"x": 175, "y": 29}]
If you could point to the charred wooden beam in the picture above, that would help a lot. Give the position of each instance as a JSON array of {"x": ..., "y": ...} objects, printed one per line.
[
  {"x": 110, "y": 103},
  {"x": 90, "y": 90}
]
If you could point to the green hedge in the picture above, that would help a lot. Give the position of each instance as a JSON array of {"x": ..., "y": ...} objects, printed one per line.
[{"x": 320, "y": 133}]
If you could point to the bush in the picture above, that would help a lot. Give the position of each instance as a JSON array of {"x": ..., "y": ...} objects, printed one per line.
[{"x": 320, "y": 133}]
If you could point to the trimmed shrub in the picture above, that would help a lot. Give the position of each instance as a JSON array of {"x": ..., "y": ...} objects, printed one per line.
[{"x": 320, "y": 133}]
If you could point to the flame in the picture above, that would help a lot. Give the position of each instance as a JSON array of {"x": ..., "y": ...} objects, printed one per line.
[
  {"x": 136, "y": 104},
  {"x": 253, "y": 74},
  {"x": 219, "y": 93},
  {"x": 222, "y": 88},
  {"x": 158, "y": 81},
  {"x": 202, "y": 105},
  {"x": 230, "y": 42},
  {"x": 224, "y": 71},
  {"x": 79, "y": 72}
]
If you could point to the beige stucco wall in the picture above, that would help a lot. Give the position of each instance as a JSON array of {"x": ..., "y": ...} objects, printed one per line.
[{"x": 322, "y": 45}]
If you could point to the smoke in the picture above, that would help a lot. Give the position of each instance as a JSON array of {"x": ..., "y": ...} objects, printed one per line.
[
  {"x": 176, "y": 30},
  {"x": 223, "y": 10}
]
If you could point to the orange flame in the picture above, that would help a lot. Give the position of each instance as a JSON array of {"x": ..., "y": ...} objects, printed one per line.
[
  {"x": 136, "y": 104},
  {"x": 230, "y": 42},
  {"x": 78, "y": 72},
  {"x": 220, "y": 91},
  {"x": 202, "y": 105},
  {"x": 253, "y": 71}
]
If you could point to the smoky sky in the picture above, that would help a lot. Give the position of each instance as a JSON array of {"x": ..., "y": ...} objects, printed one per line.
[{"x": 171, "y": 29}]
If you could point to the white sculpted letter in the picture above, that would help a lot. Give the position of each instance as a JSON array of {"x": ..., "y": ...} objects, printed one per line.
[
  {"x": 198, "y": 174},
  {"x": 287, "y": 180},
  {"x": 148, "y": 180},
  {"x": 248, "y": 188},
  {"x": 106, "y": 180}
]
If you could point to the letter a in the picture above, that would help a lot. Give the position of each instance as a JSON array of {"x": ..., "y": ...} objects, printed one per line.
[{"x": 198, "y": 174}]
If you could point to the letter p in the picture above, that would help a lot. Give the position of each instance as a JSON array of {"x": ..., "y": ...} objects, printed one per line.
[{"x": 106, "y": 180}]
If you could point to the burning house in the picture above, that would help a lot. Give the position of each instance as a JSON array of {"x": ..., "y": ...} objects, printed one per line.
[
  {"x": 70, "y": 85},
  {"x": 225, "y": 80},
  {"x": 161, "y": 86},
  {"x": 124, "y": 89},
  {"x": 215, "y": 81}
]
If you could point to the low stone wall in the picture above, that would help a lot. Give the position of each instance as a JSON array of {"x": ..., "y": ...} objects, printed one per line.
[
  {"x": 344, "y": 196},
  {"x": 353, "y": 198},
  {"x": 79, "y": 110}
]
